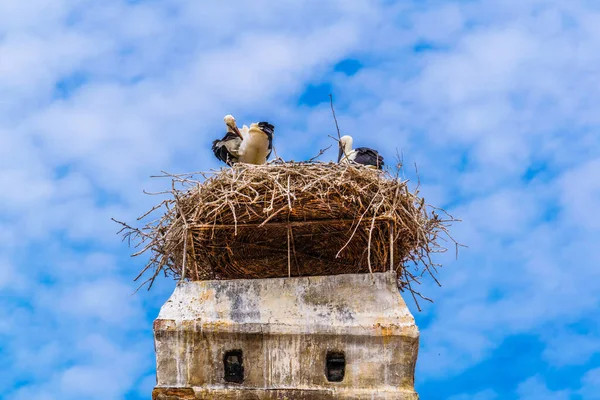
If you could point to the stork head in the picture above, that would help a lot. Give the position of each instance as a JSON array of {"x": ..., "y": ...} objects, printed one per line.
[
  {"x": 267, "y": 128},
  {"x": 231, "y": 125},
  {"x": 345, "y": 146},
  {"x": 229, "y": 120}
]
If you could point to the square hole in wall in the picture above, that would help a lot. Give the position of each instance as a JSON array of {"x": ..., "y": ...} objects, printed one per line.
[
  {"x": 335, "y": 366},
  {"x": 233, "y": 364}
]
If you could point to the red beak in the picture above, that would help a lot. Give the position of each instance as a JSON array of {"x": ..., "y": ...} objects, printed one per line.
[{"x": 237, "y": 132}]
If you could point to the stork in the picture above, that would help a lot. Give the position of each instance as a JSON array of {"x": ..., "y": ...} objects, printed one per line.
[
  {"x": 227, "y": 149},
  {"x": 257, "y": 143},
  {"x": 360, "y": 155}
]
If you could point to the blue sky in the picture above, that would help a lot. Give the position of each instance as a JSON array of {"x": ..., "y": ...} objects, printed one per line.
[{"x": 496, "y": 101}]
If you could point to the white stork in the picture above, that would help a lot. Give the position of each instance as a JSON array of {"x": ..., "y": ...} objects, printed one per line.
[
  {"x": 249, "y": 145},
  {"x": 360, "y": 155},
  {"x": 257, "y": 143},
  {"x": 227, "y": 149}
]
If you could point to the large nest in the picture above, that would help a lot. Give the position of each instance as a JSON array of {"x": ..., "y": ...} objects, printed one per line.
[{"x": 292, "y": 219}]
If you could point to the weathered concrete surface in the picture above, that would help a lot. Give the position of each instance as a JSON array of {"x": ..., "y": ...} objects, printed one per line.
[
  {"x": 285, "y": 327},
  {"x": 280, "y": 394}
]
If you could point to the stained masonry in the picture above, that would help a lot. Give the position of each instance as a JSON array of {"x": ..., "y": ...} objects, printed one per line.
[{"x": 324, "y": 337}]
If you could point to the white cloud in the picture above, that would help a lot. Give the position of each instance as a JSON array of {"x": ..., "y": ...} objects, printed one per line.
[
  {"x": 535, "y": 389},
  {"x": 483, "y": 395},
  {"x": 591, "y": 385},
  {"x": 565, "y": 348},
  {"x": 580, "y": 195},
  {"x": 106, "y": 372},
  {"x": 108, "y": 300},
  {"x": 10, "y": 278}
]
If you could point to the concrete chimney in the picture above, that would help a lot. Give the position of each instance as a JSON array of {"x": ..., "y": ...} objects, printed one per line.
[{"x": 324, "y": 337}]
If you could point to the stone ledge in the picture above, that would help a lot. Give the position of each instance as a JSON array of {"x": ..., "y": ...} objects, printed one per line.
[
  {"x": 278, "y": 394},
  {"x": 357, "y": 304}
]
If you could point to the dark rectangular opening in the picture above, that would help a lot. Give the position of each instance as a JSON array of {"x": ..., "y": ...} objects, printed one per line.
[
  {"x": 234, "y": 366},
  {"x": 335, "y": 366}
]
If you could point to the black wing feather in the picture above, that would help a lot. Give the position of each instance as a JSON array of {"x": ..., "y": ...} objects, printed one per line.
[
  {"x": 269, "y": 130},
  {"x": 219, "y": 148},
  {"x": 367, "y": 156}
]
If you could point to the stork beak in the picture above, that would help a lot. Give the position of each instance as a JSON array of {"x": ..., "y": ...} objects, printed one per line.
[
  {"x": 341, "y": 153},
  {"x": 237, "y": 131}
]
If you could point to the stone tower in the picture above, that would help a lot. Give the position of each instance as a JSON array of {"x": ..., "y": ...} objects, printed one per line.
[{"x": 325, "y": 337}]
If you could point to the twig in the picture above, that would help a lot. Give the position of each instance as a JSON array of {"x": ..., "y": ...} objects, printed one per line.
[
  {"x": 277, "y": 158},
  {"x": 321, "y": 152},
  {"x": 181, "y": 213},
  {"x": 391, "y": 246},
  {"x": 289, "y": 255},
  {"x": 334, "y": 117},
  {"x": 418, "y": 177}
]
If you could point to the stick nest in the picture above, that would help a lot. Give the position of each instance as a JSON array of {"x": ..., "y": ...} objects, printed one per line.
[{"x": 291, "y": 219}]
